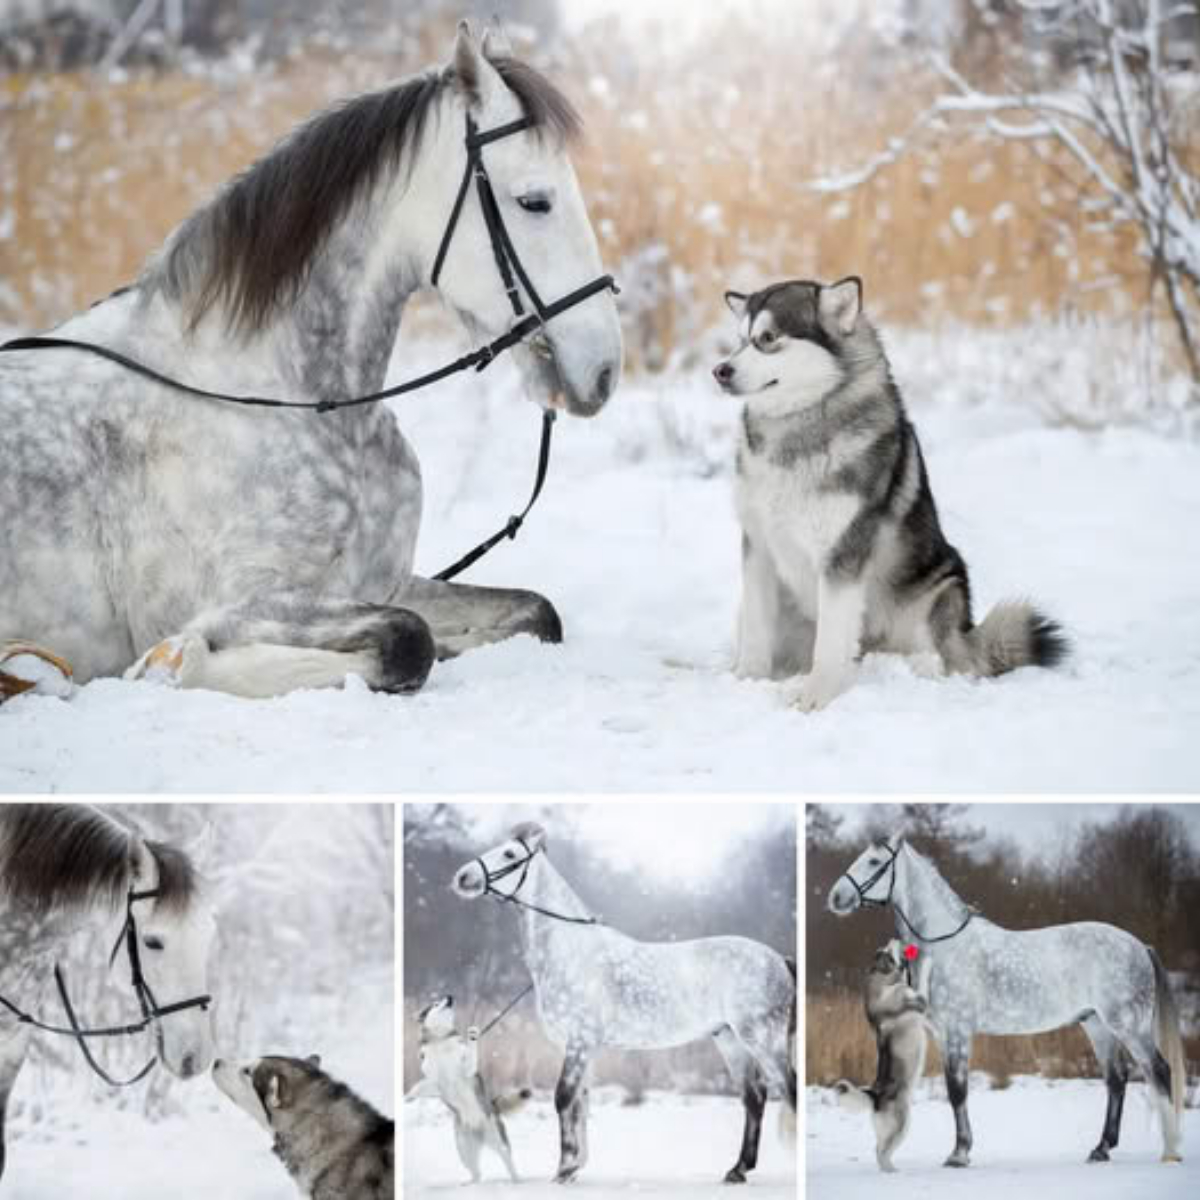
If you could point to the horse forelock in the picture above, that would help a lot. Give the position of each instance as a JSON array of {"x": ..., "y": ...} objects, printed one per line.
[
  {"x": 251, "y": 248},
  {"x": 178, "y": 880}
]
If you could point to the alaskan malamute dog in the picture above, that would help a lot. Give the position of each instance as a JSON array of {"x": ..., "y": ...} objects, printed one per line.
[
  {"x": 896, "y": 1012},
  {"x": 450, "y": 1070},
  {"x": 842, "y": 552},
  {"x": 334, "y": 1144}
]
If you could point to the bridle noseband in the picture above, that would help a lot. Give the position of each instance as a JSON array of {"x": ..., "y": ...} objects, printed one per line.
[
  {"x": 866, "y": 901},
  {"x": 490, "y": 877},
  {"x": 152, "y": 1011},
  {"x": 508, "y": 263}
]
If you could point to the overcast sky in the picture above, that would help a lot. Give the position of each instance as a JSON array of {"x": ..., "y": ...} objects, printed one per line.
[{"x": 1035, "y": 826}]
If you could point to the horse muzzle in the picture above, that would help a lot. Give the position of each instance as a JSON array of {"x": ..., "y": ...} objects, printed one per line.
[
  {"x": 842, "y": 899},
  {"x": 470, "y": 882}
]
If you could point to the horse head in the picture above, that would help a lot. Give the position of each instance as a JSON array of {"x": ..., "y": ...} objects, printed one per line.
[
  {"x": 869, "y": 879},
  {"x": 574, "y": 362},
  {"x": 503, "y": 869}
]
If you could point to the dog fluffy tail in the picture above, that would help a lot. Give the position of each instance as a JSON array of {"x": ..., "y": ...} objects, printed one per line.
[
  {"x": 1014, "y": 634},
  {"x": 503, "y": 1105},
  {"x": 854, "y": 1098}
]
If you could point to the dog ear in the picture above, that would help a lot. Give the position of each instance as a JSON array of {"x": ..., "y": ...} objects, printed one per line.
[
  {"x": 840, "y": 304},
  {"x": 313, "y": 1060},
  {"x": 737, "y": 303}
]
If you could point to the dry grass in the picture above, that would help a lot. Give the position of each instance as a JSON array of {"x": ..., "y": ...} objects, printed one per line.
[{"x": 694, "y": 184}]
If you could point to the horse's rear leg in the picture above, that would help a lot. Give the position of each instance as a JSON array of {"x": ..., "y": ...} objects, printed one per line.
[
  {"x": 463, "y": 617},
  {"x": 1115, "y": 1064},
  {"x": 275, "y": 644},
  {"x": 1157, "y": 1071},
  {"x": 570, "y": 1099},
  {"x": 749, "y": 1077}
]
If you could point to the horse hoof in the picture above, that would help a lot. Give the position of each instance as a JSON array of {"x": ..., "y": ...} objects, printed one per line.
[
  {"x": 1172, "y": 1158},
  {"x": 569, "y": 1175},
  {"x": 1098, "y": 1155},
  {"x": 957, "y": 1160},
  {"x": 25, "y": 667},
  {"x": 735, "y": 1175}
]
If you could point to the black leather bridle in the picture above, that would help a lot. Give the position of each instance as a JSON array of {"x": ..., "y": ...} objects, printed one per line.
[
  {"x": 525, "y": 324},
  {"x": 866, "y": 902},
  {"x": 522, "y": 865},
  {"x": 152, "y": 1011}
]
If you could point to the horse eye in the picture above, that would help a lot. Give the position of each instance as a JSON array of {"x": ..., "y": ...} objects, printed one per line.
[
  {"x": 535, "y": 203},
  {"x": 510, "y": 854},
  {"x": 152, "y": 942}
]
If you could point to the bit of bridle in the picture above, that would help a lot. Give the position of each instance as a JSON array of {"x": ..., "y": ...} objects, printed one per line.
[
  {"x": 152, "y": 1011},
  {"x": 866, "y": 901},
  {"x": 490, "y": 877},
  {"x": 508, "y": 263}
]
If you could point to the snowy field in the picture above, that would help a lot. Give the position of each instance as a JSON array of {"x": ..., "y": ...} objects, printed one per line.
[
  {"x": 83, "y": 1143},
  {"x": 1031, "y": 1139},
  {"x": 669, "y": 1146},
  {"x": 636, "y": 542}
]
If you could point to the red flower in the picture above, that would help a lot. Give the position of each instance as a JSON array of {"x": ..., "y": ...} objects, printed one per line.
[{"x": 911, "y": 952}]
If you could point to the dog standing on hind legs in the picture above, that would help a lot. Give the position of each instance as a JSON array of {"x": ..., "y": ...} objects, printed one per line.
[
  {"x": 896, "y": 1011},
  {"x": 842, "y": 551}
]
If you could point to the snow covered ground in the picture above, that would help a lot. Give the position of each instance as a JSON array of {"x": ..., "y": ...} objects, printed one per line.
[
  {"x": 636, "y": 542},
  {"x": 82, "y": 1143},
  {"x": 669, "y": 1146},
  {"x": 1032, "y": 1138}
]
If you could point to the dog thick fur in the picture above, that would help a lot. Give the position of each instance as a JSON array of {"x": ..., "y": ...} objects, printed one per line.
[
  {"x": 842, "y": 550},
  {"x": 333, "y": 1143},
  {"x": 450, "y": 1070},
  {"x": 896, "y": 1011}
]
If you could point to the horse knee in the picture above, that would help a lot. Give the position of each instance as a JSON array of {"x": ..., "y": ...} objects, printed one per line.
[{"x": 405, "y": 652}]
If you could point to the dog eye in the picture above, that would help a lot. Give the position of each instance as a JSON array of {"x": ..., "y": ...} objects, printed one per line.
[
  {"x": 152, "y": 943},
  {"x": 535, "y": 202}
]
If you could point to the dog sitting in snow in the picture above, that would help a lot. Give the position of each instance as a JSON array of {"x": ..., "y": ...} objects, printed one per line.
[
  {"x": 450, "y": 1070},
  {"x": 896, "y": 1010},
  {"x": 842, "y": 551}
]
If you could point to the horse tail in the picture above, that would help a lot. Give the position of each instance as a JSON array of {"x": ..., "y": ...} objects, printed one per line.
[{"x": 1167, "y": 1032}]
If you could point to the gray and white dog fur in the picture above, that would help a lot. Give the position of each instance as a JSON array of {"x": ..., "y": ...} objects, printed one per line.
[
  {"x": 333, "y": 1143},
  {"x": 450, "y": 1071},
  {"x": 896, "y": 1011},
  {"x": 843, "y": 552}
]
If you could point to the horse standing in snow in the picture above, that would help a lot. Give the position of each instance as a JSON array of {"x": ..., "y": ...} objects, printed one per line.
[
  {"x": 67, "y": 867},
  {"x": 251, "y": 550},
  {"x": 985, "y": 979},
  {"x": 598, "y": 987}
]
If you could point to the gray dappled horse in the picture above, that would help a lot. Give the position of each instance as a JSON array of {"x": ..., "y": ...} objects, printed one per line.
[
  {"x": 598, "y": 987},
  {"x": 253, "y": 551},
  {"x": 67, "y": 867},
  {"x": 986, "y": 979}
]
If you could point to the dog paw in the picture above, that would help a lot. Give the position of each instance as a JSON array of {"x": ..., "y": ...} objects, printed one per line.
[
  {"x": 175, "y": 662},
  {"x": 817, "y": 692}
]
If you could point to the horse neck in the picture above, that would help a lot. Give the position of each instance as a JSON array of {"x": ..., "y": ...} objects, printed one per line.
[
  {"x": 928, "y": 901},
  {"x": 546, "y": 888}
]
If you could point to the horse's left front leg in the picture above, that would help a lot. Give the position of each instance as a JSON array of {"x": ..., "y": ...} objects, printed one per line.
[
  {"x": 274, "y": 643},
  {"x": 957, "y": 1055},
  {"x": 464, "y": 617},
  {"x": 570, "y": 1099}
]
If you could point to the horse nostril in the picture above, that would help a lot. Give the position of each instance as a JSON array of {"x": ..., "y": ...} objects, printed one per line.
[
  {"x": 604, "y": 384},
  {"x": 188, "y": 1066}
]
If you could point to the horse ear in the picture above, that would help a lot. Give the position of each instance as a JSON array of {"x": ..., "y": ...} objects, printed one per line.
[
  {"x": 200, "y": 848},
  {"x": 496, "y": 43},
  {"x": 895, "y": 841},
  {"x": 313, "y": 1060},
  {"x": 474, "y": 77}
]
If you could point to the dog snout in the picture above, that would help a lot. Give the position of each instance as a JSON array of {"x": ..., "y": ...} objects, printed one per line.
[{"x": 723, "y": 373}]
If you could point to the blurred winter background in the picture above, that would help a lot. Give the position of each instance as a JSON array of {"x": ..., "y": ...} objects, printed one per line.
[
  {"x": 1016, "y": 180},
  {"x": 303, "y": 963},
  {"x": 1024, "y": 867},
  {"x": 658, "y": 872}
]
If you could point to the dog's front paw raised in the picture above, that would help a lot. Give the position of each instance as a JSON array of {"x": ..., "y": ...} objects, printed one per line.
[{"x": 175, "y": 662}]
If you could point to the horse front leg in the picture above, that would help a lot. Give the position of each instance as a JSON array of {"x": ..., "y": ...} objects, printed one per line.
[
  {"x": 463, "y": 617},
  {"x": 570, "y": 1100},
  {"x": 957, "y": 1056},
  {"x": 276, "y": 643}
]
